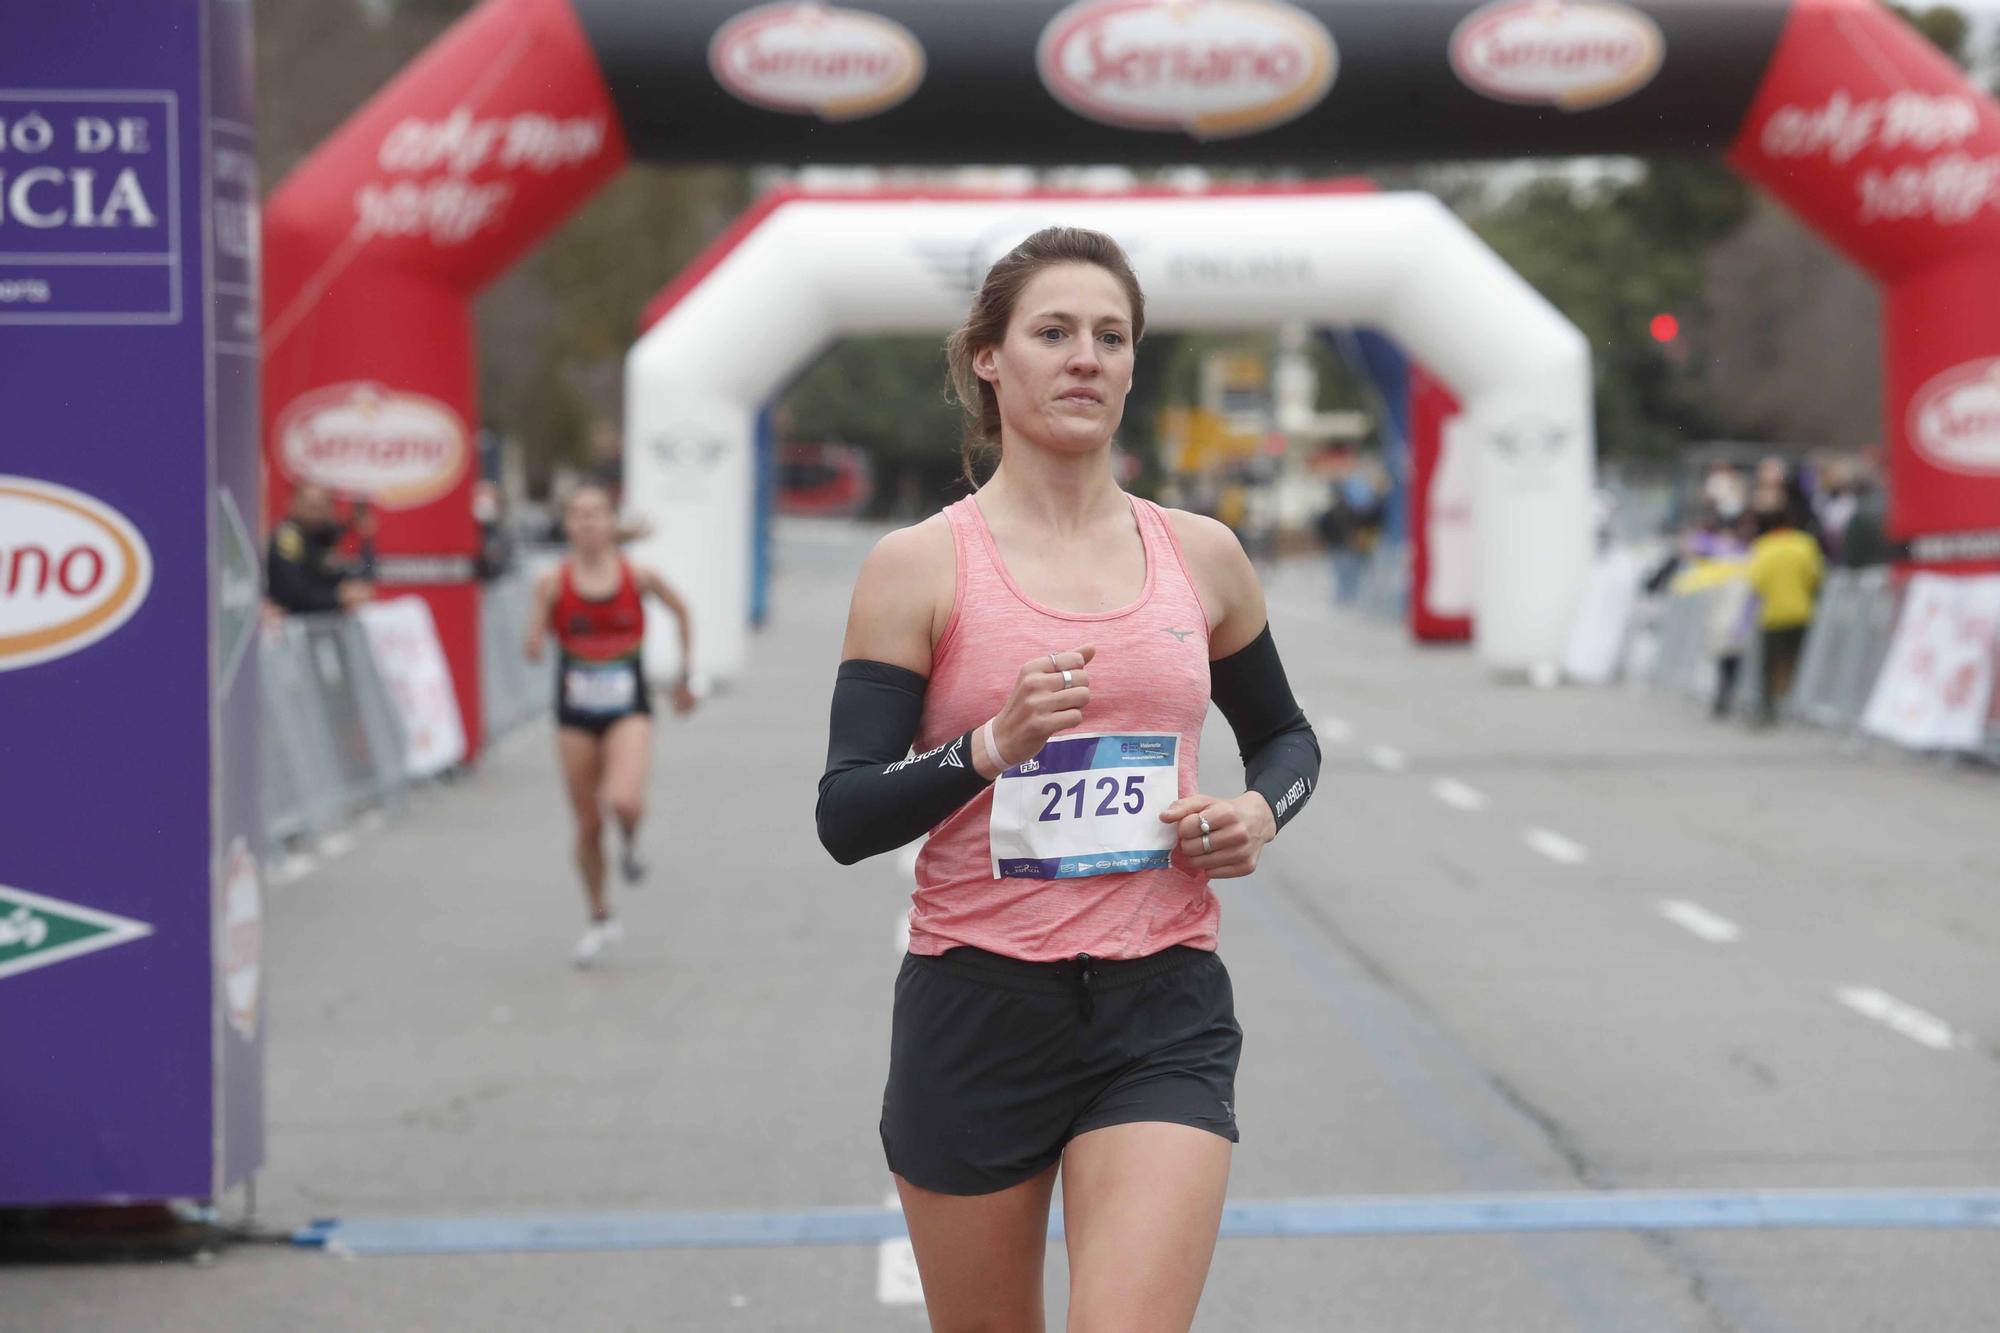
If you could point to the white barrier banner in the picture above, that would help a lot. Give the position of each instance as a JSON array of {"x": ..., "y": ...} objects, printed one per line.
[
  {"x": 1597, "y": 637},
  {"x": 404, "y": 642},
  {"x": 1936, "y": 689}
]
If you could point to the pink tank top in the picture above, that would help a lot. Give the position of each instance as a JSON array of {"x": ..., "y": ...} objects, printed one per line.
[{"x": 1150, "y": 674}]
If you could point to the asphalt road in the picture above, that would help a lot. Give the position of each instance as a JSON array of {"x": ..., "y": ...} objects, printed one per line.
[{"x": 1568, "y": 942}]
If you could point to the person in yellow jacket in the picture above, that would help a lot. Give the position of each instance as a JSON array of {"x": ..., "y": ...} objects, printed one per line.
[{"x": 1785, "y": 569}]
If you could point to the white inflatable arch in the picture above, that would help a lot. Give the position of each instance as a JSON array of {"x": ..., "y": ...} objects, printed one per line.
[{"x": 803, "y": 269}]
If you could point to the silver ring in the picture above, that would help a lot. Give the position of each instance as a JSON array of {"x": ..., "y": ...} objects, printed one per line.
[
  {"x": 1205, "y": 828},
  {"x": 1053, "y": 664},
  {"x": 1205, "y": 846},
  {"x": 1066, "y": 680}
]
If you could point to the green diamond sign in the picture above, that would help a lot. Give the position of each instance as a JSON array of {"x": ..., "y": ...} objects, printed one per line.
[
  {"x": 241, "y": 594},
  {"x": 36, "y": 931}
]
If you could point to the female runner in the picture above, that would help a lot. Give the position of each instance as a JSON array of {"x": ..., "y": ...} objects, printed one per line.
[
  {"x": 1049, "y": 646},
  {"x": 593, "y": 605}
]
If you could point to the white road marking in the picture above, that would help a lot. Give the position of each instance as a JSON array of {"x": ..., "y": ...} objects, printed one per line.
[
  {"x": 1555, "y": 846},
  {"x": 896, "y": 1280},
  {"x": 1912, "y": 1022},
  {"x": 1388, "y": 757},
  {"x": 1335, "y": 729},
  {"x": 1457, "y": 795},
  {"x": 1698, "y": 920}
]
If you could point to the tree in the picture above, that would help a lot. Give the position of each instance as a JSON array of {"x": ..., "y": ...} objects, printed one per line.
[{"x": 1610, "y": 256}]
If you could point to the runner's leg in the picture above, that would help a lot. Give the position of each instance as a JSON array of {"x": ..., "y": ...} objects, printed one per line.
[
  {"x": 980, "y": 1256},
  {"x": 628, "y": 753},
  {"x": 582, "y": 762},
  {"x": 1141, "y": 1207}
]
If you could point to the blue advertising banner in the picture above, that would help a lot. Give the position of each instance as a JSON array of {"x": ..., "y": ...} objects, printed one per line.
[{"x": 130, "y": 911}]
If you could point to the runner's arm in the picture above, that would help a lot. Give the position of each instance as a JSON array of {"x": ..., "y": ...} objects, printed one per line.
[
  {"x": 1280, "y": 753},
  {"x": 538, "y": 618},
  {"x": 871, "y": 799},
  {"x": 1247, "y": 680},
  {"x": 659, "y": 587}
]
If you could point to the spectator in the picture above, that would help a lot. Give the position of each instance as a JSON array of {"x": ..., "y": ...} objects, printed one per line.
[
  {"x": 1725, "y": 492},
  {"x": 1865, "y": 540},
  {"x": 304, "y": 571},
  {"x": 1839, "y": 494},
  {"x": 496, "y": 543},
  {"x": 1785, "y": 569},
  {"x": 1337, "y": 528},
  {"x": 1732, "y": 610}
]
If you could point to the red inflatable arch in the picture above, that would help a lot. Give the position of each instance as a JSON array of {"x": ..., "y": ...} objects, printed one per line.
[{"x": 376, "y": 245}]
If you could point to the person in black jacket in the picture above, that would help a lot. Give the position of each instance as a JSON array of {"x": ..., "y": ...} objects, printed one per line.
[{"x": 304, "y": 571}]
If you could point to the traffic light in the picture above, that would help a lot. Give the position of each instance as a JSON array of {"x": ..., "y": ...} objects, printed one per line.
[{"x": 1665, "y": 328}]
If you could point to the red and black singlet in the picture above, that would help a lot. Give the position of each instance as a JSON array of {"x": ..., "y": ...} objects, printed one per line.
[
  {"x": 600, "y": 679},
  {"x": 599, "y": 630}
]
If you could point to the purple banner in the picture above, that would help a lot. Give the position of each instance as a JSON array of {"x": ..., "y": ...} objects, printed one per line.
[
  {"x": 130, "y": 925},
  {"x": 91, "y": 225}
]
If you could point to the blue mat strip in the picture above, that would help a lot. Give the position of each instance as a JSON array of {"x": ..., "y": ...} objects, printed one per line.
[{"x": 1449, "y": 1214}]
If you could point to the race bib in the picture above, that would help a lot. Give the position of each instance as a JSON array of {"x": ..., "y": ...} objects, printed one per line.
[
  {"x": 1086, "y": 805},
  {"x": 601, "y": 687}
]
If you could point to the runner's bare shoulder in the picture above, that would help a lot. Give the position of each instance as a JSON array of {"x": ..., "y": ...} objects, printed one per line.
[
  {"x": 903, "y": 596},
  {"x": 1224, "y": 578}
]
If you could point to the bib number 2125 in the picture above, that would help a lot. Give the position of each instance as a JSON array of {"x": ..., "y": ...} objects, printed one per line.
[
  {"x": 1088, "y": 804},
  {"x": 1132, "y": 801}
]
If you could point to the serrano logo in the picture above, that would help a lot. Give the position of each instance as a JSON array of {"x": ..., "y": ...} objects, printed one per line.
[
  {"x": 72, "y": 570},
  {"x": 1955, "y": 419},
  {"x": 1573, "y": 54},
  {"x": 1213, "y": 68},
  {"x": 838, "y": 64},
  {"x": 400, "y": 450}
]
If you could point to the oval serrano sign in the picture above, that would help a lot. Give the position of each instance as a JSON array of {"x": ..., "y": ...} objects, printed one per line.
[
  {"x": 837, "y": 64},
  {"x": 72, "y": 570},
  {"x": 1573, "y": 54},
  {"x": 1215, "y": 69},
  {"x": 1955, "y": 418},
  {"x": 400, "y": 450}
]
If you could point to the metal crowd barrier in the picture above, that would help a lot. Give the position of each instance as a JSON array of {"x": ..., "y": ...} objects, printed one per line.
[
  {"x": 1854, "y": 624},
  {"x": 1845, "y": 649},
  {"x": 513, "y": 690},
  {"x": 333, "y": 746},
  {"x": 1683, "y": 659}
]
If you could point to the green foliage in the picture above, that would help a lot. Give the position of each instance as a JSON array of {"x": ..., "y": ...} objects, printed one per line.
[
  {"x": 1611, "y": 257},
  {"x": 554, "y": 333},
  {"x": 885, "y": 393},
  {"x": 1945, "y": 26}
]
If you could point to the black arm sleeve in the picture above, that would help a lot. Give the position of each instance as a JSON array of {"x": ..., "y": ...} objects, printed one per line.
[
  {"x": 872, "y": 799},
  {"x": 1280, "y": 752}
]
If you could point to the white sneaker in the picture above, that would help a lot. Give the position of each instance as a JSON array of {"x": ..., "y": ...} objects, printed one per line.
[{"x": 597, "y": 938}]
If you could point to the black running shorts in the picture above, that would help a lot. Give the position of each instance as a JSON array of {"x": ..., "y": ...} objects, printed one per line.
[
  {"x": 996, "y": 1064},
  {"x": 575, "y": 715}
]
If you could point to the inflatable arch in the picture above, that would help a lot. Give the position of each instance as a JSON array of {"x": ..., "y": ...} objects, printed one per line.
[
  {"x": 803, "y": 269},
  {"x": 376, "y": 245}
]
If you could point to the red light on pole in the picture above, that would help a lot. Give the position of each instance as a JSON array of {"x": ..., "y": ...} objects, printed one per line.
[{"x": 1665, "y": 328}]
